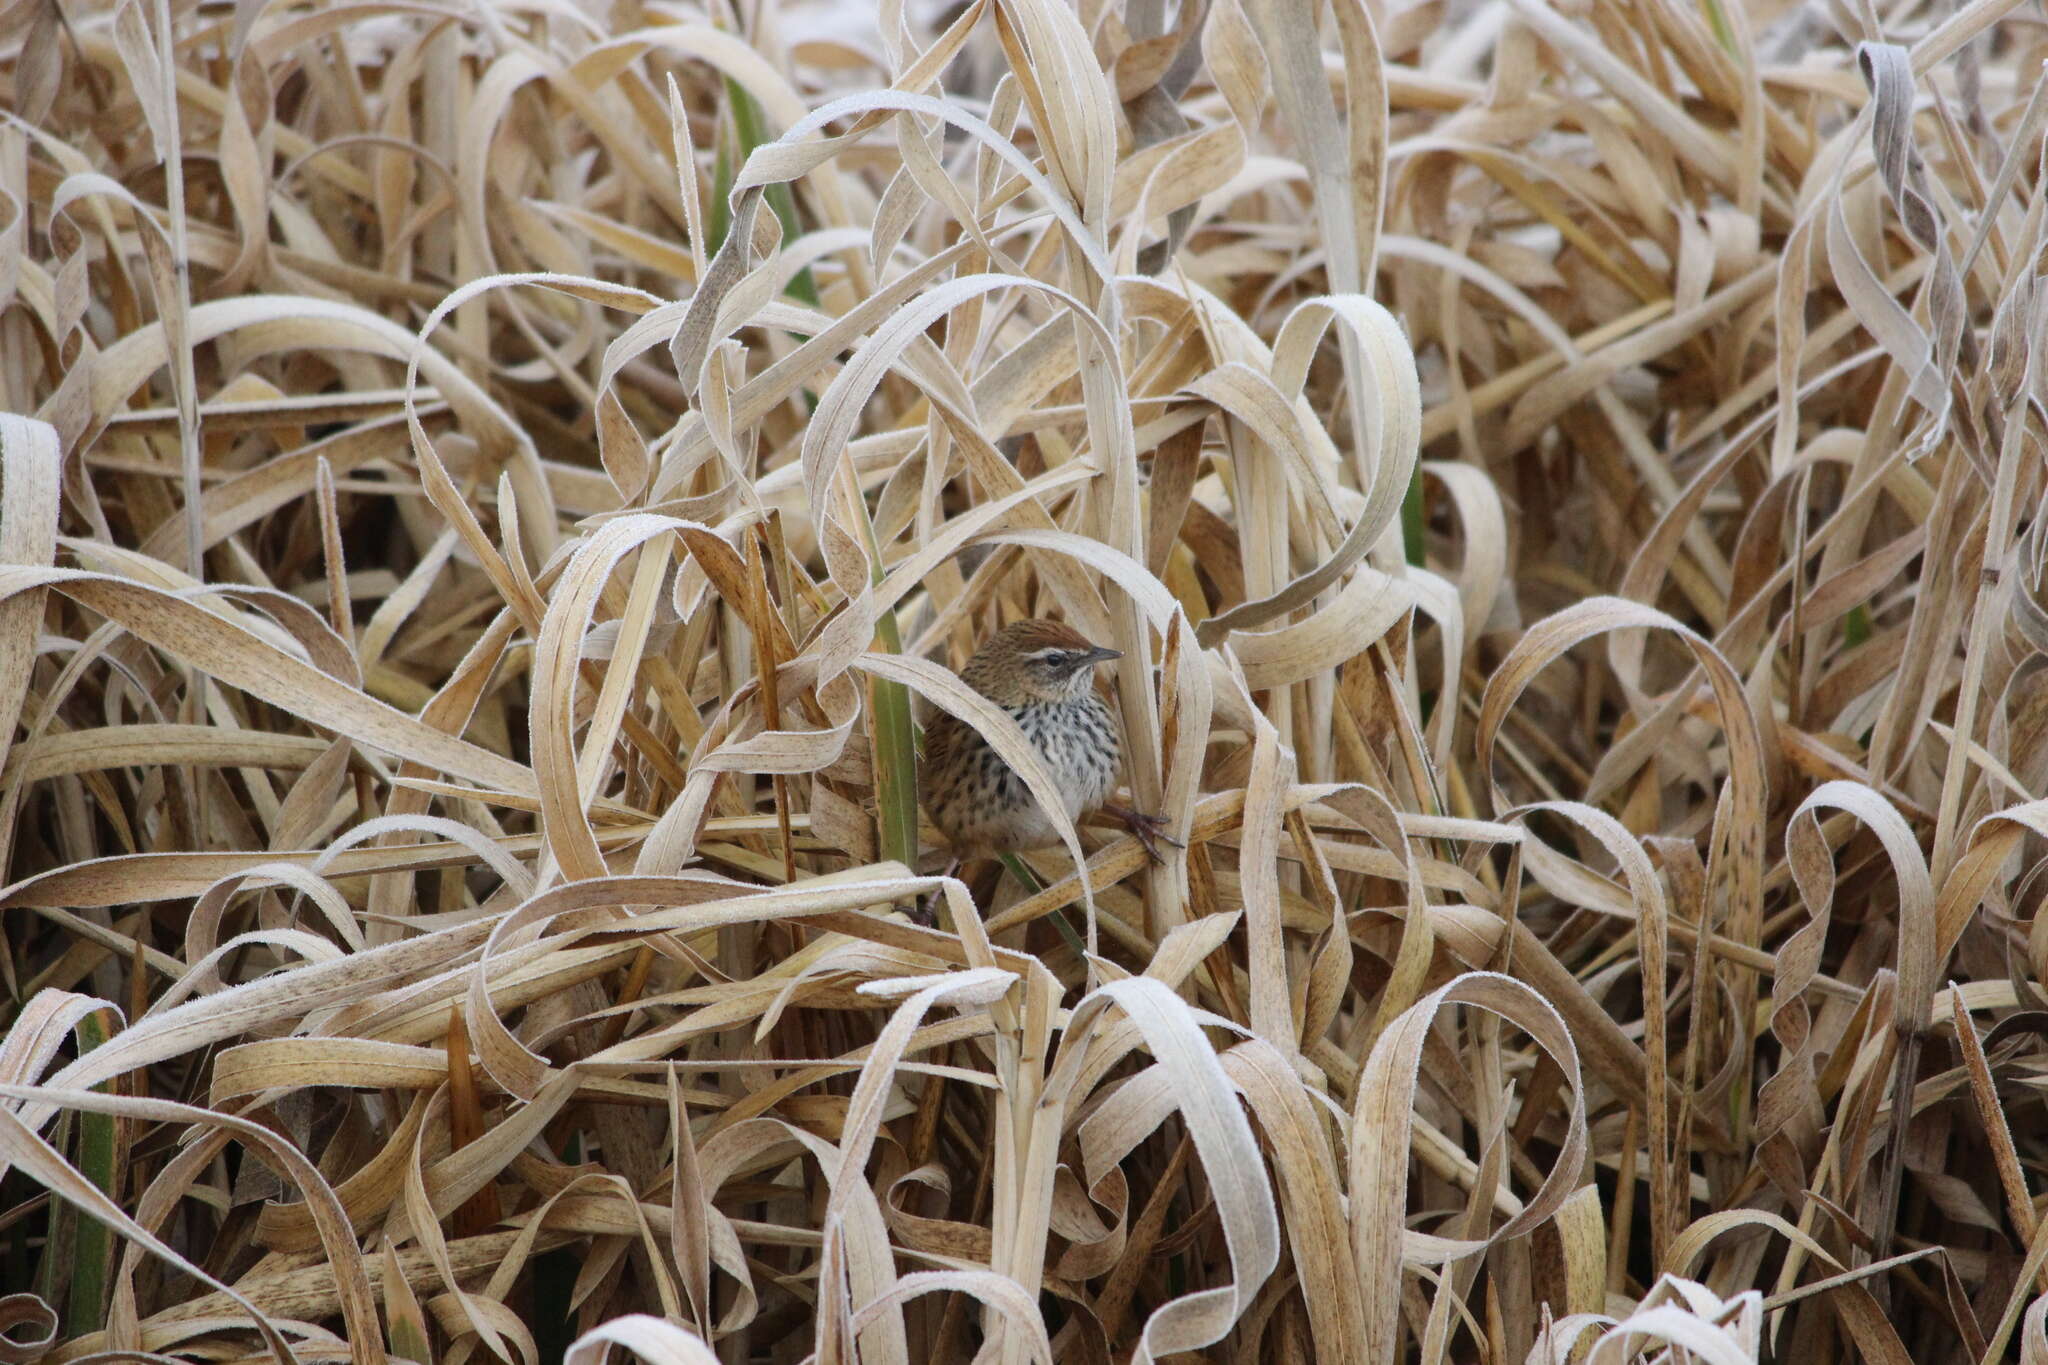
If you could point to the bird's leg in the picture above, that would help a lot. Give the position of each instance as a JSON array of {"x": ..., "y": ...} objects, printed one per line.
[
  {"x": 1146, "y": 829},
  {"x": 927, "y": 911}
]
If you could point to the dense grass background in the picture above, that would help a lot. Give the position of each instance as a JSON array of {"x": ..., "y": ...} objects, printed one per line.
[{"x": 499, "y": 486}]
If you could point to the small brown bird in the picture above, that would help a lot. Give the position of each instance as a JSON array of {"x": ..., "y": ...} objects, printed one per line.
[{"x": 1043, "y": 674}]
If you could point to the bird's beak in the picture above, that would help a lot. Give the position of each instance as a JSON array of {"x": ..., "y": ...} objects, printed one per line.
[{"x": 1099, "y": 655}]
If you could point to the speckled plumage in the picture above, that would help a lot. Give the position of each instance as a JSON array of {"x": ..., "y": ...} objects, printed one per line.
[{"x": 1042, "y": 673}]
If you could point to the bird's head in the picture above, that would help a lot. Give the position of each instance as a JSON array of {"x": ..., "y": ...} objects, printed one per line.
[{"x": 1035, "y": 661}]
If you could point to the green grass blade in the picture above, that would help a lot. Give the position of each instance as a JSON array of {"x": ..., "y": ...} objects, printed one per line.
[
  {"x": 748, "y": 132},
  {"x": 1021, "y": 870},
  {"x": 747, "y": 125},
  {"x": 99, "y": 1160},
  {"x": 895, "y": 743},
  {"x": 1856, "y": 626},
  {"x": 1411, "y": 519}
]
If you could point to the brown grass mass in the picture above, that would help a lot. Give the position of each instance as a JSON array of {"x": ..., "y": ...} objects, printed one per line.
[{"x": 497, "y": 488}]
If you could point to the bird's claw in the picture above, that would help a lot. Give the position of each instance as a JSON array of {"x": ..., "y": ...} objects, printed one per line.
[
  {"x": 925, "y": 912},
  {"x": 1148, "y": 829}
]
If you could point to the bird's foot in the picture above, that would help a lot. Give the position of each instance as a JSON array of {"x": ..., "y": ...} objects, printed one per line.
[
  {"x": 1148, "y": 829},
  {"x": 926, "y": 911}
]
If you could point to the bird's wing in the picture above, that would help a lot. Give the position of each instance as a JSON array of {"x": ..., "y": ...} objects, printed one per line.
[{"x": 942, "y": 737}]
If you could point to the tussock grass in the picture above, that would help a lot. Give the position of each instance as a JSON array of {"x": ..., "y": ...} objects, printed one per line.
[{"x": 496, "y": 489}]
